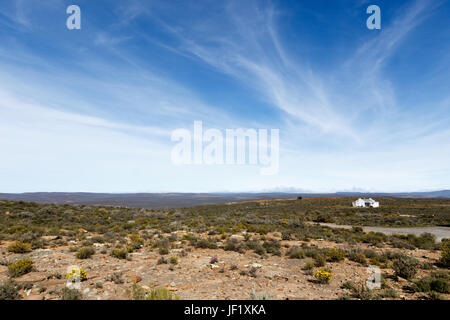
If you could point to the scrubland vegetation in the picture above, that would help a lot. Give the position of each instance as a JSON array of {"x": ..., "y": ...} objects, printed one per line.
[{"x": 285, "y": 229}]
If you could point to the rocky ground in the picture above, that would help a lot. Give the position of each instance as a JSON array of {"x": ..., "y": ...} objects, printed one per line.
[{"x": 194, "y": 277}]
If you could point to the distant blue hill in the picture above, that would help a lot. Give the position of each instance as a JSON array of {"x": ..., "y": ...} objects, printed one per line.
[{"x": 176, "y": 200}]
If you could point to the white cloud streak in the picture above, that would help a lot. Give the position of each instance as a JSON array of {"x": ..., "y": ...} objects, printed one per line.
[{"x": 105, "y": 118}]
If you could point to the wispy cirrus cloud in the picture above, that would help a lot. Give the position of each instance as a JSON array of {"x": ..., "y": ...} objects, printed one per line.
[
  {"x": 373, "y": 53},
  {"x": 104, "y": 100},
  {"x": 248, "y": 47}
]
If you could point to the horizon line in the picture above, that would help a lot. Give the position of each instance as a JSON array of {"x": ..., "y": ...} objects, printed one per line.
[{"x": 232, "y": 192}]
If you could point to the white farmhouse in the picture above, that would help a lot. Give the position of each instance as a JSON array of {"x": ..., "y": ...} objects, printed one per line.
[{"x": 366, "y": 203}]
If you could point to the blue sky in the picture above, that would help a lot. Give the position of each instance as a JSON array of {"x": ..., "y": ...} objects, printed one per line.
[{"x": 93, "y": 109}]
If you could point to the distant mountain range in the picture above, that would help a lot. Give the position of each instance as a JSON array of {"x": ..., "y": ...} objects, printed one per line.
[{"x": 177, "y": 200}]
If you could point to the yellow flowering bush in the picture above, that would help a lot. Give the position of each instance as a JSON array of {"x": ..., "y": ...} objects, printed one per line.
[
  {"x": 19, "y": 247},
  {"x": 136, "y": 241},
  {"x": 323, "y": 276},
  {"x": 77, "y": 272},
  {"x": 20, "y": 267},
  {"x": 335, "y": 255}
]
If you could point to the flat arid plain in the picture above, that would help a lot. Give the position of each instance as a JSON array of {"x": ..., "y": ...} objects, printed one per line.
[{"x": 310, "y": 248}]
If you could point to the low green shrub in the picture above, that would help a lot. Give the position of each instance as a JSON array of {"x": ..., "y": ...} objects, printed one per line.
[
  {"x": 158, "y": 293},
  {"x": 433, "y": 295},
  {"x": 362, "y": 293},
  {"x": 357, "y": 256},
  {"x": 405, "y": 267},
  {"x": 259, "y": 249},
  {"x": 388, "y": 293},
  {"x": 425, "y": 241},
  {"x": 9, "y": 290},
  {"x": 136, "y": 241},
  {"x": 445, "y": 253},
  {"x": 85, "y": 253},
  {"x": 348, "y": 285},
  {"x": 120, "y": 253},
  {"x": 272, "y": 246},
  {"x": 209, "y": 243},
  {"x": 335, "y": 255},
  {"x": 295, "y": 252},
  {"x": 308, "y": 266},
  {"x": 38, "y": 244},
  {"x": 260, "y": 295},
  {"x": 162, "y": 260},
  {"x": 320, "y": 260},
  {"x": 70, "y": 294},
  {"x": 234, "y": 244},
  {"x": 437, "y": 282},
  {"x": 163, "y": 251},
  {"x": 116, "y": 277}
]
